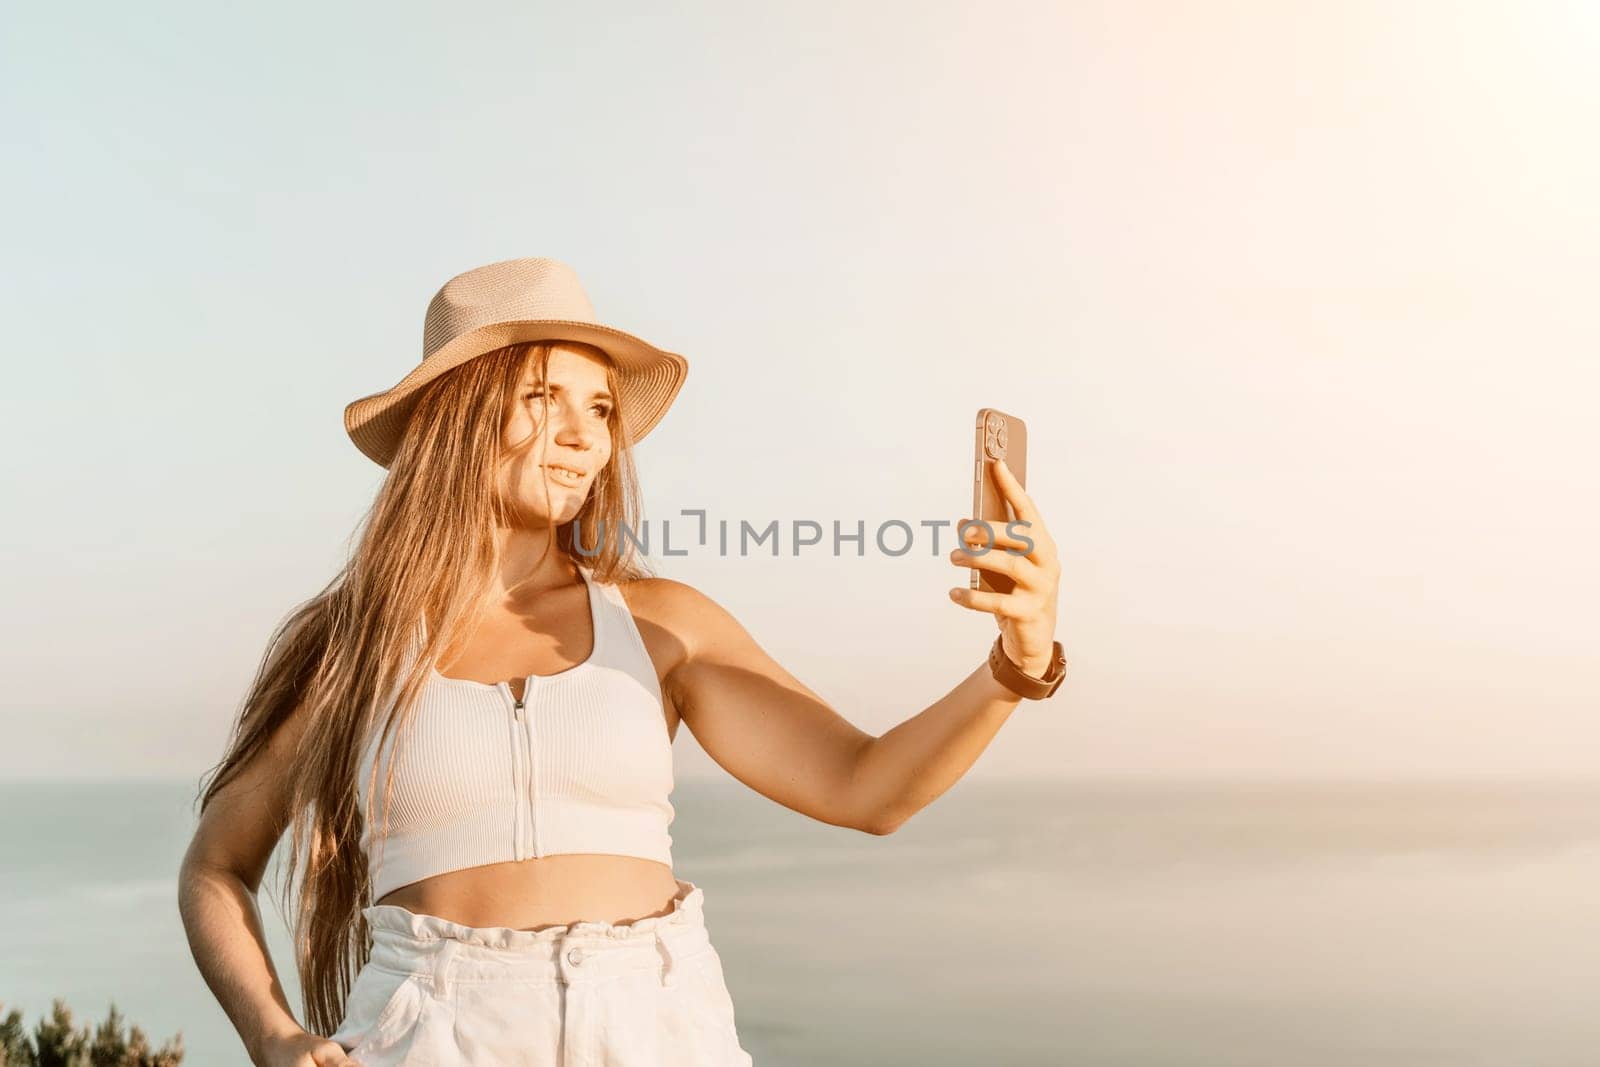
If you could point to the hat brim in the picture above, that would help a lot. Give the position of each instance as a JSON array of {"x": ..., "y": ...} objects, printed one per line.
[{"x": 649, "y": 379}]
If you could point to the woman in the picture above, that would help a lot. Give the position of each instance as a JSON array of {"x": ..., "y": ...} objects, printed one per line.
[{"x": 471, "y": 726}]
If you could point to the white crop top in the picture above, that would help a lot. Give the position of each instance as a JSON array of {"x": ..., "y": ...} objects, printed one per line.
[{"x": 584, "y": 764}]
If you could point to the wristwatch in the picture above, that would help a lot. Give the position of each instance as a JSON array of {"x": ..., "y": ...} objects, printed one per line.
[{"x": 1010, "y": 675}]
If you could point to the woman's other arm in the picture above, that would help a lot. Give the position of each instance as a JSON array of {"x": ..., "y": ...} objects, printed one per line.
[{"x": 218, "y": 884}]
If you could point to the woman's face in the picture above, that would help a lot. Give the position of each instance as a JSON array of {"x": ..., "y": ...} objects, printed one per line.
[{"x": 566, "y": 417}]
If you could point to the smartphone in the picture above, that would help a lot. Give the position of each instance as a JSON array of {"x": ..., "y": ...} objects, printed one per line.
[{"x": 996, "y": 436}]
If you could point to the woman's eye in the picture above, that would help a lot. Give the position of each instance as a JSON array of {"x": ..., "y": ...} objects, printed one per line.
[{"x": 600, "y": 409}]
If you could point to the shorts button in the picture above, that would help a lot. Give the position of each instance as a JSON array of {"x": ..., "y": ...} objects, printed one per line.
[{"x": 575, "y": 956}]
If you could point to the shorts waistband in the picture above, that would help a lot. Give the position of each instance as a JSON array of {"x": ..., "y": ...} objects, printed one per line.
[{"x": 429, "y": 946}]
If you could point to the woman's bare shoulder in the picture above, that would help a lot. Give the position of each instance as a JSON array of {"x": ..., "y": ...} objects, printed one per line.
[{"x": 677, "y": 607}]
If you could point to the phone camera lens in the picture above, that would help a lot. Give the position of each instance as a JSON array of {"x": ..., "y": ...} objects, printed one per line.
[{"x": 994, "y": 437}]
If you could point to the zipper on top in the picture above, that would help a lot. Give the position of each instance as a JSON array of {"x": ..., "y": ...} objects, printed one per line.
[
  {"x": 525, "y": 773},
  {"x": 519, "y": 763}
]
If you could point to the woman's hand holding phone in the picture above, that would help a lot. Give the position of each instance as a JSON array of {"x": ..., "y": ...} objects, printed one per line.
[{"x": 1027, "y": 614}]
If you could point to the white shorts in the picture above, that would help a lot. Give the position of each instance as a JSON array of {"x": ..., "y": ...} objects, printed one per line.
[{"x": 649, "y": 993}]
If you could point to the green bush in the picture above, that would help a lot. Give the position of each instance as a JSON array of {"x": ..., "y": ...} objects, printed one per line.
[{"x": 56, "y": 1043}]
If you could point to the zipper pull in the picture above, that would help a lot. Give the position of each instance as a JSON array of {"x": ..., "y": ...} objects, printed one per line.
[{"x": 519, "y": 709}]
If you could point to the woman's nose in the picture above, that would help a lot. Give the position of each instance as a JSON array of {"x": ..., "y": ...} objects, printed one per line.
[{"x": 573, "y": 433}]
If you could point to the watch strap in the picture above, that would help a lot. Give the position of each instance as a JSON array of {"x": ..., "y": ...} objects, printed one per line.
[{"x": 1026, "y": 686}]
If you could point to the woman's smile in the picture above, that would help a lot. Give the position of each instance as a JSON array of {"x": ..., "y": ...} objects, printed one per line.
[{"x": 564, "y": 475}]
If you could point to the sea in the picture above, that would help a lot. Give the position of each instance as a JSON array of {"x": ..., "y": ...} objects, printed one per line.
[{"x": 1115, "y": 923}]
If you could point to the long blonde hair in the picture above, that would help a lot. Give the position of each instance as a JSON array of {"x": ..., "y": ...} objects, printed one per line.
[{"x": 426, "y": 551}]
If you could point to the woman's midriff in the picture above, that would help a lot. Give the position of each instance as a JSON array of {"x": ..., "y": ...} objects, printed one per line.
[{"x": 548, "y": 891}]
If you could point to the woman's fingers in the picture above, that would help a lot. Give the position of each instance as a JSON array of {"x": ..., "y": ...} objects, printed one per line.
[
  {"x": 332, "y": 1055},
  {"x": 995, "y": 561},
  {"x": 1030, "y": 565},
  {"x": 982, "y": 533},
  {"x": 1022, "y": 505},
  {"x": 1000, "y": 605}
]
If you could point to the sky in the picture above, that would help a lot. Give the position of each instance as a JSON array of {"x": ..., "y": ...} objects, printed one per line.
[{"x": 1296, "y": 301}]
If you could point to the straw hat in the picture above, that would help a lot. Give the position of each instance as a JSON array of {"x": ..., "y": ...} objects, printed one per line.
[{"x": 504, "y": 303}]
